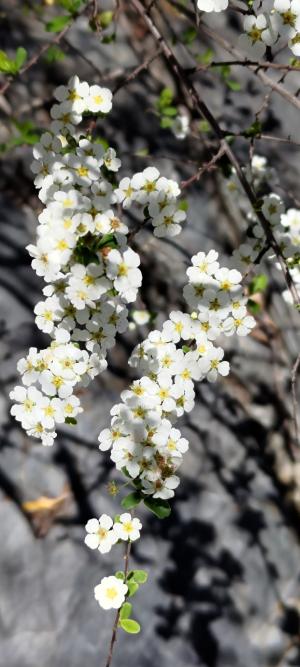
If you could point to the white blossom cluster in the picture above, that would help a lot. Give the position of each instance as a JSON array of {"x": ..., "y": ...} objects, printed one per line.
[
  {"x": 102, "y": 534},
  {"x": 145, "y": 444},
  {"x": 81, "y": 252},
  {"x": 157, "y": 195},
  {"x": 271, "y": 23},
  {"x": 285, "y": 225}
]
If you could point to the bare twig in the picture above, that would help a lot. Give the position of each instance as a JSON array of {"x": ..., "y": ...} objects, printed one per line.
[{"x": 207, "y": 166}]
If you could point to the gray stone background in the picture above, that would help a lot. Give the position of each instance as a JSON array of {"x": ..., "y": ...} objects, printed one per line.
[{"x": 224, "y": 569}]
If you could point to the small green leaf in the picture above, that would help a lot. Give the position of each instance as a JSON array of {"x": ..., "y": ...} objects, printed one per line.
[
  {"x": 133, "y": 587},
  {"x": 253, "y": 307},
  {"x": 54, "y": 54},
  {"x": 206, "y": 57},
  {"x": 132, "y": 500},
  {"x": 6, "y": 64},
  {"x": 108, "y": 240},
  {"x": 120, "y": 575},
  {"x": 189, "y": 35},
  {"x": 166, "y": 122},
  {"x": 108, "y": 39},
  {"x": 170, "y": 111},
  {"x": 21, "y": 57},
  {"x": 204, "y": 126},
  {"x": 233, "y": 85},
  {"x": 185, "y": 349},
  {"x": 129, "y": 625},
  {"x": 165, "y": 99},
  {"x": 161, "y": 508},
  {"x": 140, "y": 576},
  {"x": 70, "y": 420},
  {"x": 105, "y": 18},
  {"x": 125, "y": 610},
  {"x": 58, "y": 23},
  {"x": 258, "y": 284},
  {"x": 253, "y": 130},
  {"x": 183, "y": 205}
]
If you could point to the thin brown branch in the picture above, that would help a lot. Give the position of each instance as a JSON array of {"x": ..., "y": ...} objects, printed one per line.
[
  {"x": 117, "y": 618},
  {"x": 244, "y": 63},
  {"x": 207, "y": 166}
]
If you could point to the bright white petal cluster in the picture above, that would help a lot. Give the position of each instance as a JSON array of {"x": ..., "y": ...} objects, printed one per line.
[
  {"x": 157, "y": 196},
  {"x": 82, "y": 254},
  {"x": 110, "y": 593},
  {"x": 142, "y": 437},
  {"x": 285, "y": 227},
  {"x": 212, "y": 5},
  {"x": 103, "y": 533},
  {"x": 260, "y": 32}
]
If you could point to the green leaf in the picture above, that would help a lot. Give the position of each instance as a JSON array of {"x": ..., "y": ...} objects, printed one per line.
[
  {"x": 108, "y": 39},
  {"x": 120, "y": 575},
  {"x": 108, "y": 240},
  {"x": 71, "y": 6},
  {"x": 183, "y": 205},
  {"x": 133, "y": 587},
  {"x": 129, "y": 625},
  {"x": 161, "y": 508},
  {"x": 165, "y": 99},
  {"x": 132, "y": 500},
  {"x": 204, "y": 126},
  {"x": 189, "y": 35},
  {"x": 233, "y": 85},
  {"x": 166, "y": 122},
  {"x": 170, "y": 111},
  {"x": 206, "y": 57},
  {"x": 70, "y": 420},
  {"x": 125, "y": 610},
  {"x": 253, "y": 130},
  {"x": 21, "y": 57},
  {"x": 58, "y": 23},
  {"x": 54, "y": 54},
  {"x": 140, "y": 576},
  {"x": 105, "y": 18},
  {"x": 258, "y": 284},
  {"x": 186, "y": 348},
  {"x": 7, "y": 65},
  {"x": 253, "y": 307}
]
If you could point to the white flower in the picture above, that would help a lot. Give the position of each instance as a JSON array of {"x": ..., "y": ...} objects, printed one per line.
[
  {"x": 180, "y": 127},
  {"x": 167, "y": 222},
  {"x": 241, "y": 324},
  {"x": 272, "y": 208},
  {"x": 111, "y": 160},
  {"x": 100, "y": 534},
  {"x": 203, "y": 266},
  {"x": 141, "y": 317},
  {"x": 128, "y": 528},
  {"x": 259, "y": 33},
  {"x": 74, "y": 94},
  {"x": 126, "y": 193},
  {"x": 287, "y": 14},
  {"x": 212, "y": 5},
  {"x": 122, "y": 269},
  {"x": 229, "y": 279},
  {"x": 110, "y": 593},
  {"x": 145, "y": 183},
  {"x": 99, "y": 99},
  {"x": 212, "y": 364}
]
